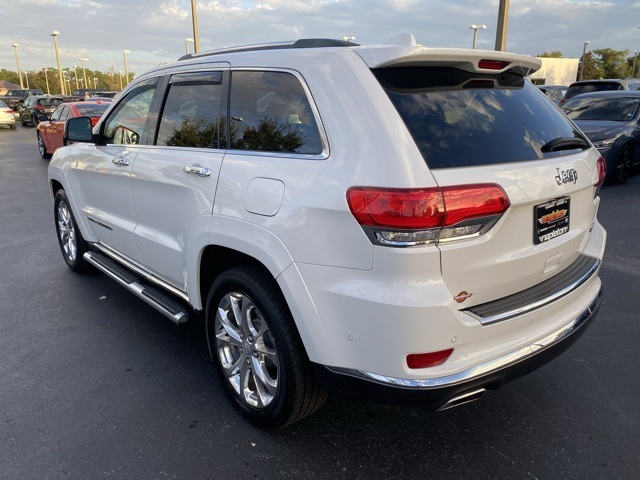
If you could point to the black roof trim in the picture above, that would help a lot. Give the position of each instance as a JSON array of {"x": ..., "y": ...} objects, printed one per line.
[{"x": 302, "y": 43}]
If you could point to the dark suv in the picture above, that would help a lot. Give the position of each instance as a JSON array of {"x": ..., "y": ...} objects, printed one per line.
[
  {"x": 15, "y": 98},
  {"x": 586, "y": 86},
  {"x": 37, "y": 107}
]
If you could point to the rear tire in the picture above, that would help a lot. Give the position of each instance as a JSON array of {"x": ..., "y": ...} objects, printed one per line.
[
  {"x": 257, "y": 351},
  {"x": 72, "y": 245}
]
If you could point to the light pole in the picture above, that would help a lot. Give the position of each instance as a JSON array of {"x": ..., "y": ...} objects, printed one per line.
[
  {"x": 126, "y": 72},
  {"x": 503, "y": 20},
  {"x": 194, "y": 16},
  {"x": 635, "y": 58},
  {"x": 120, "y": 77},
  {"x": 46, "y": 77},
  {"x": 186, "y": 44},
  {"x": 75, "y": 73},
  {"x": 15, "y": 49},
  {"x": 584, "y": 52},
  {"x": 84, "y": 72},
  {"x": 95, "y": 82},
  {"x": 55, "y": 34},
  {"x": 475, "y": 32},
  {"x": 26, "y": 77}
]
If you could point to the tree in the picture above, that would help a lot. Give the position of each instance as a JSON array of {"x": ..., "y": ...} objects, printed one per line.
[
  {"x": 592, "y": 67},
  {"x": 613, "y": 62},
  {"x": 553, "y": 54}
]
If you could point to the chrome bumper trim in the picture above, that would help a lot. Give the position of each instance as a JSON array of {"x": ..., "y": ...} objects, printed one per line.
[
  {"x": 492, "y": 365},
  {"x": 556, "y": 287}
]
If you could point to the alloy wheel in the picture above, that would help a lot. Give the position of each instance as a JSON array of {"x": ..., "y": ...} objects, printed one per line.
[
  {"x": 66, "y": 231},
  {"x": 247, "y": 351}
]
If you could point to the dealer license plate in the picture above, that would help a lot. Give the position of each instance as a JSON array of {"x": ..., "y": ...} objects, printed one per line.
[{"x": 551, "y": 219}]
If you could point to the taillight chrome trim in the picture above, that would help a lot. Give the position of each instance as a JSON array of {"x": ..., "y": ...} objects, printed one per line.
[{"x": 375, "y": 234}]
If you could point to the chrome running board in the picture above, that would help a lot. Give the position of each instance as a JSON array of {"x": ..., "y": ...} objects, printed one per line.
[{"x": 174, "y": 310}]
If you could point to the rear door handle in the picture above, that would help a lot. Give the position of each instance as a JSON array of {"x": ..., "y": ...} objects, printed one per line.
[
  {"x": 200, "y": 171},
  {"x": 120, "y": 161}
]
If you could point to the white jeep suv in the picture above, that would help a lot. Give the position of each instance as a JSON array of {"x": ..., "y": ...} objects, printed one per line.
[{"x": 392, "y": 223}]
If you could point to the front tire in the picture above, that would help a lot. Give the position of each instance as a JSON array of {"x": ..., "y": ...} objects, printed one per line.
[
  {"x": 42, "y": 148},
  {"x": 72, "y": 245},
  {"x": 623, "y": 167},
  {"x": 257, "y": 351}
]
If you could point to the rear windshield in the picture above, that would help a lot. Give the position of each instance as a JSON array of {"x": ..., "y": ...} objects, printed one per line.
[
  {"x": 460, "y": 119},
  {"x": 92, "y": 109},
  {"x": 605, "y": 109},
  {"x": 50, "y": 102},
  {"x": 592, "y": 87}
]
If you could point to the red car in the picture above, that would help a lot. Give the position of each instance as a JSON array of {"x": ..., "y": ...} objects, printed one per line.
[{"x": 50, "y": 132}]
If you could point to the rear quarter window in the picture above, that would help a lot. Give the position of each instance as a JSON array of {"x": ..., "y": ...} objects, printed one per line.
[
  {"x": 270, "y": 112},
  {"x": 460, "y": 119}
]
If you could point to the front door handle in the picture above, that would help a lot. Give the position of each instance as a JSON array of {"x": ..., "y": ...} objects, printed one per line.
[
  {"x": 120, "y": 161},
  {"x": 200, "y": 171}
]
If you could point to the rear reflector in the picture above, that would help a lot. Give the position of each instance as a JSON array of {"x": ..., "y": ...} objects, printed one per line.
[
  {"x": 493, "y": 64},
  {"x": 431, "y": 359}
]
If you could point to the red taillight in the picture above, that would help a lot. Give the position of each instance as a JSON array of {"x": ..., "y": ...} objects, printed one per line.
[
  {"x": 472, "y": 201},
  {"x": 425, "y": 208},
  {"x": 10, "y": 112},
  {"x": 431, "y": 359},
  {"x": 601, "y": 165},
  {"x": 39, "y": 107},
  {"x": 493, "y": 64},
  {"x": 397, "y": 208}
]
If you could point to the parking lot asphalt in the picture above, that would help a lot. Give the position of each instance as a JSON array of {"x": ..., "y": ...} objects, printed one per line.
[{"x": 95, "y": 384}]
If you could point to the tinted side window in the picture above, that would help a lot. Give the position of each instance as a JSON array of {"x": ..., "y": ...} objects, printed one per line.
[
  {"x": 128, "y": 121},
  {"x": 56, "y": 114},
  {"x": 191, "y": 113},
  {"x": 461, "y": 119},
  {"x": 270, "y": 112}
]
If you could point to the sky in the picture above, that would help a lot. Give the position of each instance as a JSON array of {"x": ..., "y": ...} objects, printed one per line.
[{"x": 154, "y": 31}]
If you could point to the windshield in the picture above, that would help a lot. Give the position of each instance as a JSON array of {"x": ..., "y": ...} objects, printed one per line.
[
  {"x": 459, "y": 118},
  {"x": 15, "y": 93},
  {"x": 605, "y": 109}
]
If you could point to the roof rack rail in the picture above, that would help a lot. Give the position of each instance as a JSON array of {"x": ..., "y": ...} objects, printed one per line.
[{"x": 302, "y": 43}]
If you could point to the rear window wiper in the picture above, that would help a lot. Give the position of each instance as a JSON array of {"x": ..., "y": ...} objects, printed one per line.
[{"x": 564, "y": 143}]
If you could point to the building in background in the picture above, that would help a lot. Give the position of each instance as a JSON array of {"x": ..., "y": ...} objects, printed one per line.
[
  {"x": 556, "y": 71},
  {"x": 6, "y": 86}
]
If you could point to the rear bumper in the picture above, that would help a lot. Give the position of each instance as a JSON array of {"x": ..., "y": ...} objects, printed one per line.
[{"x": 442, "y": 392}]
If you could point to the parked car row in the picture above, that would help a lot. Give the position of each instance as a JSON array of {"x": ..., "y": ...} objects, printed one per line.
[{"x": 607, "y": 112}]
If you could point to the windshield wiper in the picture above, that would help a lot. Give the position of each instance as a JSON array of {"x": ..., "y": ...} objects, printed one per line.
[{"x": 564, "y": 143}]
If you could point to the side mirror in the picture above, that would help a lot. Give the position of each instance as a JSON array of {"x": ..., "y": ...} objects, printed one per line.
[
  {"x": 43, "y": 118},
  {"x": 125, "y": 136},
  {"x": 78, "y": 129}
]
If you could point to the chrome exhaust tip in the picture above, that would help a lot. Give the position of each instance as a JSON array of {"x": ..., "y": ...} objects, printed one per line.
[{"x": 461, "y": 399}]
